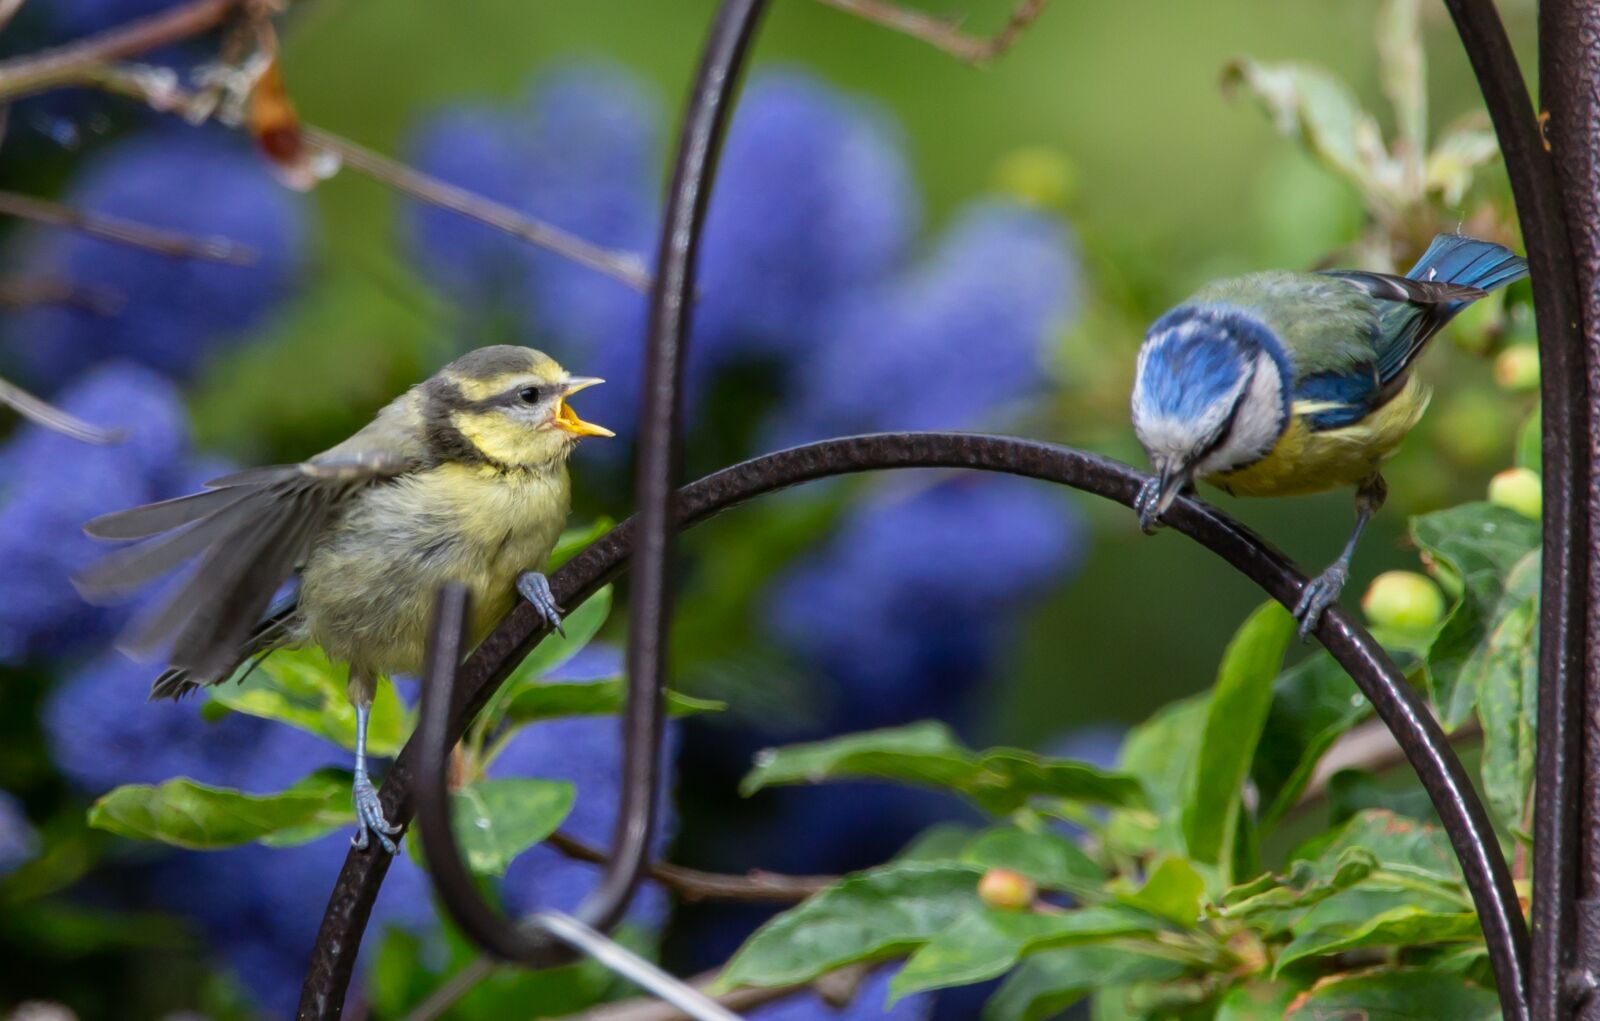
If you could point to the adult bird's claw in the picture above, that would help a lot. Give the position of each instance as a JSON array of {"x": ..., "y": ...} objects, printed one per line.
[
  {"x": 1320, "y": 593},
  {"x": 535, "y": 588},
  {"x": 1145, "y": 504},
  {"x": 369, "y": 816}
]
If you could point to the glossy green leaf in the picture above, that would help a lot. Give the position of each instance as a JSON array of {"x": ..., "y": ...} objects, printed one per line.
[
  {"x": 981, "y": 945},
  {"x": 1404, "y": 926},
  {"x": 1160, "y": 753},
  {"x": 1480, "y": 543},
  {"x": 1174, "y": 890},
  {"x": 333, "y": 786},
  {"x": 864, "y": 916},
  {"x": 554, "y": 650},
  {"x": 1506, "y": 674},
  {"x": 1052, "y": 861},
  {"x": 1310, "y": 104},
  {"x": 1000, "y": 780},
  {"x": 496, "y": 820},
  {"x": 1402, "y": 994},
  {"x": 1314, "y": 703},
  {"x": 302, "y": 688},
  {"x": 1258, "y": 1001},
  {"x": 187, "y": 814},
  {"x": 1351, "y": 791},
  {"x": 1049, "y": 982},
  {"x": 1235, "y": 715},
  {"x": 1405, "y": 846},
  {"x": 1305, "y": 884},
  {"x": 573, "y": 541},
  {"x": 555, "y": 699}
]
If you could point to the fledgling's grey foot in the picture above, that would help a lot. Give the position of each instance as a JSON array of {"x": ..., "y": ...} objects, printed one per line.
[
  {"x": 369, "y": 816},
  {"x": 535, "y": 588},
  {"x": 1320, "y": 593},
  {"x": 1145, "y": 504}
]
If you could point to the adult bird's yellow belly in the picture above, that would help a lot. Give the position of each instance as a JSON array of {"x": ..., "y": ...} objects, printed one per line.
[{"x": 1307, "y": 461}]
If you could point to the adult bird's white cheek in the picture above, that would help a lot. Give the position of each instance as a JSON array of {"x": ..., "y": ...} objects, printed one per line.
[{"x": 1258, "y": 421}]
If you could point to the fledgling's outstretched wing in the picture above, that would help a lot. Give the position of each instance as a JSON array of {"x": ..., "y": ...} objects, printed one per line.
[{"x": 250, "y": 532}]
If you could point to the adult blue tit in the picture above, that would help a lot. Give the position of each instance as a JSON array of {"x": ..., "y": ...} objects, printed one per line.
[
  {"x": 1278, "y": 383},
  {"x": 460, "y": 480}
]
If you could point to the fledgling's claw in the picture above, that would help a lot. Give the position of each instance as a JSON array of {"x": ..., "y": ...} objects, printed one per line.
[
  {"x": 535, "y": 588},
  {"x": 369, "y": 816},
  {"x": 1145, "y": 504},
  {"x": 1320, "y": 593}
]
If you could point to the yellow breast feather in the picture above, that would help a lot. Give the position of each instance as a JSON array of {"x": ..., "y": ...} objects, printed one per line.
[{"x": 1305, "y": 460}]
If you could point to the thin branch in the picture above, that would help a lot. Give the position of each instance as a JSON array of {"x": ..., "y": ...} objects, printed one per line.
[
  {"x": 693, "y": 885},
  {"x": 125, "y": 232},
  {"x": 67, "y": 64},
  {"x": 8, "y": 10},
  {"x": 28, "y": 292},
  {"x": 945, "y": 33},
  {"x": 624, "y": 266}
]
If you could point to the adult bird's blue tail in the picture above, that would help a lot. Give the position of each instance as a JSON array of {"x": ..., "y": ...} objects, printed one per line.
[{"x": 1458, "y": 259}]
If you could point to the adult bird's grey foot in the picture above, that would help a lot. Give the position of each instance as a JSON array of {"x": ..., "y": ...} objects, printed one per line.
[
  {"x": 369, "y": 810},
  {"x": 535, "y": 588},
  {"x": 1145, "y": 504},
  {"x": 1323, "y": 591}
]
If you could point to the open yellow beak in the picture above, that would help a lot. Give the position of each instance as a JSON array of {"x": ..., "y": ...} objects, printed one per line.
[{"x": 567, "y": 419}]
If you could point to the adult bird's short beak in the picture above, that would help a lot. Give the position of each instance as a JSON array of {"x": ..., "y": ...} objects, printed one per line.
[{"x": 568, "y": 419}]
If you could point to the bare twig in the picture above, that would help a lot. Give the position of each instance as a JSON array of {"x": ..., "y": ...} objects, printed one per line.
[
  {"x": 30, "y": 291},
  {"x": 692, "y": 885},
  {"x": 8, "y": 10},
  {"x": 52, "y": 417},
  {"x": 125, "y": 232},
  {"x": 1369, "y": 747},
  {"x": 68, "y": 64},
  {"x": 945, "y": 33},
  {"x": 624, "y": 266}
]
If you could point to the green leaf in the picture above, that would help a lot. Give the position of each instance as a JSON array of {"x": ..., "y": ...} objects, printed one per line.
[
  {"x": 1506, "y": 675},
  {"x": 1401, "y": 994},
  {"x": 1160, "y": 753},
  {"x": 302, "y": 688},
  {"x": 1456, "y": 157},
  {"x": 1405, "y": 926},
  {"x": 1314, "y": 703},
  {"x": 1404, "y": 73},
  {"x": 1310, "y": 104},
  {"x": 1000, "y": 780},
  {"x": 1480, "y": 543},
  {"x": 187, "y": 814},
  {"x": 1530, "y": 443},
  {"x": 1400, "y": 845},
  {"x": 984, "y": 944},
  {"x": 1052, "y": 861},
  {"x": 496, "y": 820},
  {"x": 573, "y": 541},
  {"x": 1234, "y": 718},
  {"x": 555, "y": 699},
  {"x": 1047, "y": 983},
  {"x": 864, "y": 916},
  {"x": 553, "y": 650},
  {"x": 1173, "y": 890},
  {"x": 1258, "y": 1001},
  {"x": 1305, "y": 884},
  {"x": 333, "y": 786},
  {"x": 1351, "y": 791}
]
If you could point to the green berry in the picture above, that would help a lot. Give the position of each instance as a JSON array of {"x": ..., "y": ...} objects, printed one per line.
[
  {"x": 1517, "y": 368},
  {"x": 1403, "y": 601},
  {"x": 1519, "y": 489}
]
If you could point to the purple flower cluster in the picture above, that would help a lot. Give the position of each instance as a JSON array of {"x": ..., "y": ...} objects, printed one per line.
[
  {"x": 54, "y": 484},
  {"x": 162, "y": 311},
  {"x": 81, "y": 17},
  {"x": 18, "y": 841},
  {"x": 867, "y": 1003}
]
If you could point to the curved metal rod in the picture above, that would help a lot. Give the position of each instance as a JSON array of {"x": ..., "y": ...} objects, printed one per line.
[
  {"x": 1392, "y": 696},
  {"x": 1565, "y": 595}
]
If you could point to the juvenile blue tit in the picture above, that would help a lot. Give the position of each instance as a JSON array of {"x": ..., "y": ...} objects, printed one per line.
[
  {"x": 1278, "y": 383},
  {"x": 462, "y": 479}
]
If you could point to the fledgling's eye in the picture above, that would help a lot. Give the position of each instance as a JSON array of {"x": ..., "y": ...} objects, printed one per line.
[{"x": 530, "y": 395}]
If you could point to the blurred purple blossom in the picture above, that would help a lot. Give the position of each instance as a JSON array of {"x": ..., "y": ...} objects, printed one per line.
[
  {"x": 81, "y": 17},
  {"x": 18, "y": 841},
  {"x": 54, "y": 484},
  {"x": 167, "y": 312}
]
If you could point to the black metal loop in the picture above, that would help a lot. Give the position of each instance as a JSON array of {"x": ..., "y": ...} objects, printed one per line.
[
  {"x": 1385, "y": 686},
  {"x": 1565, "y": 599}
]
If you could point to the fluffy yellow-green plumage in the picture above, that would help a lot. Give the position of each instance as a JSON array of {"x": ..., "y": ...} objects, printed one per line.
[{"x": 461, "y": 480}]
